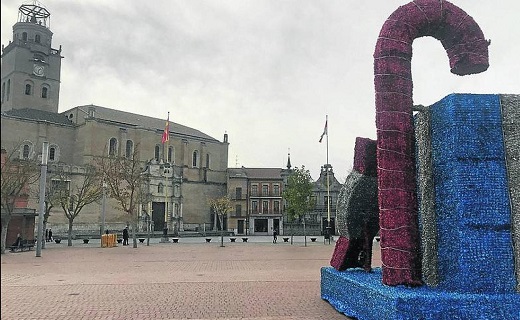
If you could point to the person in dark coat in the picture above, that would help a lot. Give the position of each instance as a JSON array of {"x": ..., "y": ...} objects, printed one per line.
[
  {"x": 18, "y": 241},
  {"x": 275, "y": 236},
  {"x": 47, "y": 235},
  {"x": 125, "y": 236},
  {"x": 50, "y": 234}
]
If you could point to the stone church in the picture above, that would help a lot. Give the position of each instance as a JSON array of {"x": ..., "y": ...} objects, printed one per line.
[{"x": 183, "y": 174}]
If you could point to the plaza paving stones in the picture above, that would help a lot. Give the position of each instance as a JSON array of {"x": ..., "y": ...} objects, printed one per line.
[{"x": 191, "y": 279}]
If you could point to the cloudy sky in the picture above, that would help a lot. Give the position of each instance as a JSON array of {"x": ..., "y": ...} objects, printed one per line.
[{"x": 267, "y": 72}]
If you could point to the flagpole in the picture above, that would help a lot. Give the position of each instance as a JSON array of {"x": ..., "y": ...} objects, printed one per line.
[
  {"x": 166, "y": 173},
  {"x": 328, "y": 186}
]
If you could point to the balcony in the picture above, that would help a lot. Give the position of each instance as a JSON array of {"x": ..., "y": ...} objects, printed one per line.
[{"x": 264, "y": 195}]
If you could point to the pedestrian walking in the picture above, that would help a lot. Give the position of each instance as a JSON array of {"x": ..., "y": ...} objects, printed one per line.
[
  {"x": 50, "y": 234},
  {"x": 275, "y": 236},
  {"x": 46, "y": 235},
  {"x": 125, "y": 236}
]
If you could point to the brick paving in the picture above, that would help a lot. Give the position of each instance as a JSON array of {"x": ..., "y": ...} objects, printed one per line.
[{"x": 187, "y": 280}]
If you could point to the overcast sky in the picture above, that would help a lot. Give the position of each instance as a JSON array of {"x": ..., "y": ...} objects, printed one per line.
[{"x": 267, "y": 72}]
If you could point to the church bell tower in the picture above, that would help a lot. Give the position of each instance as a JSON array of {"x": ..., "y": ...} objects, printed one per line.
[{"x": 30, "y": 66}]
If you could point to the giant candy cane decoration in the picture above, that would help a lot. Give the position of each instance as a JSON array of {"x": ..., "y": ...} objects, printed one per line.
[{"x": 467, "y": 51}]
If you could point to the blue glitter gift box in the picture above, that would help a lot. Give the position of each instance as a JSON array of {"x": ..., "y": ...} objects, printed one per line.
[{"x": 472, "y": 205}]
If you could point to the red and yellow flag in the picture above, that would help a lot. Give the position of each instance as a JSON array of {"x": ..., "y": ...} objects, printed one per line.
[{"x": 166, "y": 132}]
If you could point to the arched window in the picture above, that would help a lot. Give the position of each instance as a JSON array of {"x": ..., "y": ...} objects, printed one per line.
[
  {"x": 112, "y": 149},
  {"x": 171, "y": 158},
  {"x": 3, "y": 91},
  {"x": 37, "y": 38},
  {"x": 8, "y": 89},
  {"x": 26, "y": 151},
  {"x": 28, "y": 89},
  {"x": 129, "y": 148},
  {"x": 52, "y": 154},
  {"x": 207, "y": 161},
  {"x": 45, "y": 92},
  {"x": 157, "y": 153},
  {"x": 160, "y": 188},
  {"x": 195, "y": 158},
  {"x": 24, "y": 36}
]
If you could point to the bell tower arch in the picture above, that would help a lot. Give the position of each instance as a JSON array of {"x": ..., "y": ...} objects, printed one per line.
[{"x": 30, "y": 66}]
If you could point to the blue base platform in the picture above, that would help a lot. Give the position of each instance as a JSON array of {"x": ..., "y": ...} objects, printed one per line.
[{"x": 362, "y": 295}]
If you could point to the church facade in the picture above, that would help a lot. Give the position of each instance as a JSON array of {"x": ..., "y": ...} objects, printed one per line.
[{"x": 182, "y": 174}]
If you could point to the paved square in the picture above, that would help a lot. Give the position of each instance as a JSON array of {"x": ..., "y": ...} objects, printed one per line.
[{"x": 191, "y": 279}]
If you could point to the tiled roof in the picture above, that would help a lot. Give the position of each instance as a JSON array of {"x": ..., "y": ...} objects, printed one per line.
[
  {"x": 255, "y": 173},
  {"x": 38, "y": 115},
  {"x": 137, "y": 120}
]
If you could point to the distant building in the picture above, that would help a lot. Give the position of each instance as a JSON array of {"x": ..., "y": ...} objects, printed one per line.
[
  {"x": 256, "y": 194},
  {"x": 323, "y": 194}
]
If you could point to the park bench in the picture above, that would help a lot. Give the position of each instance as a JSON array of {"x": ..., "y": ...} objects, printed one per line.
[{"x": 23, "y": 246}]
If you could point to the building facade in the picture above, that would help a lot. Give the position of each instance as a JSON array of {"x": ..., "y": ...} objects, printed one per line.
[
  {"x": 325, "y": 193},
  {"x": 182, "y": 174},
  {"x": 256, "y": 194}
]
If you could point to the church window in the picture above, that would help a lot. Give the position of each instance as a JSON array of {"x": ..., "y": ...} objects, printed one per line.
[
  {"x": 170, "y": 155},
  {"x": 195, "y": 158},
  {"x": 207, "y": 161},
  {"x": 45, "y": 91},
  {"x": 26, "y": 151},
  {"x": 24, "y": 36},
  {"x": 37, "y": 38},
  {"x": 8, "y": 90},
  {"x": 129, "y": 148},
  {"x": 157, "y": 152},
  {"x": 52, "y": 154},
  {"x": 28, "y": 89},
  {"x": 160, "y": 188},
  {"x": 112, "y": 149},
  {"x": 3, "y": 91}
]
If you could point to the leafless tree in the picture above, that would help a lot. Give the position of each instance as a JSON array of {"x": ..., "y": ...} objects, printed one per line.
[
  {"x": 16, "y": 177},
  {"x": 74, "y": 193},
  {"x": 125, "y": 180},
  {"x": 221, "y": 206}
]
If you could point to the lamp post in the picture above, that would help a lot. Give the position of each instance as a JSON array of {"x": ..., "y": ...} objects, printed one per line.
[
  {"x": 103, "y": 208},
  {"x": 43, "y": 179}
]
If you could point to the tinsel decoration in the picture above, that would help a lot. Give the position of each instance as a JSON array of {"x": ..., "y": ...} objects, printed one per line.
[
  {"x": 467, "y": 51},
  {"x": 511, "y": 127},
  {"x": 473, "y": 212},
  {"x": 426, "y": 196},
  {"x": 362, "y": 295},
  {"x": 357, "y": 211}
]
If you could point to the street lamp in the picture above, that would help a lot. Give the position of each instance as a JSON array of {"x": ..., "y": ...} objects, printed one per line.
[
  {"x": 103, "y": 208},
  {"x": 43, "y": 179}
]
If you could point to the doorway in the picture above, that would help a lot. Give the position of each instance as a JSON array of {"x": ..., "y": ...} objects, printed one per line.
[
  {"x": 158, "y": 216},
  {"x": 240, "y": 227}
]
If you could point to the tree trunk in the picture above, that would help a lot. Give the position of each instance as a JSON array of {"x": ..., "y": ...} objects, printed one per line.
[
  {"x": 134, "y": 235},
  {"x": 221, "y": 231},
  {"x": 5, "y": 224},
  {"x": 69, "y": 236}
]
